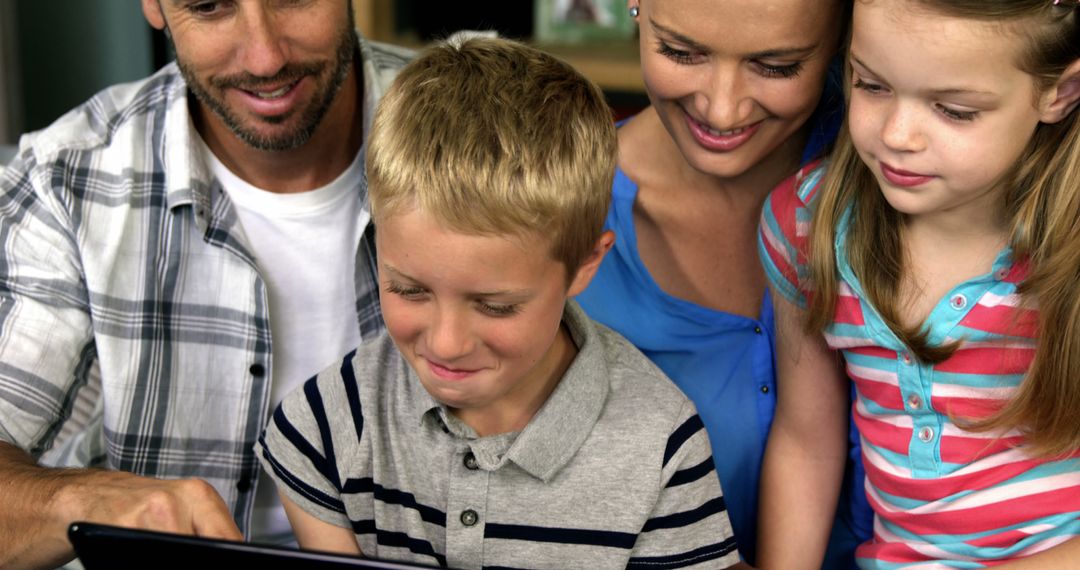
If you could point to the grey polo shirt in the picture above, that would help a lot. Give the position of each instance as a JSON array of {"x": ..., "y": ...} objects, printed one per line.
[{"x": 613, "y": 471}]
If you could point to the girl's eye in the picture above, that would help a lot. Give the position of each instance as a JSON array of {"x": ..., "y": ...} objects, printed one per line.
[
  {"x": 406, "y": 292},
  {"x": 871, "y": 88},
  {"x": 780, "y": 71},
  {"x": 498, "y": 310},
  {"x": 679, "y": 56},
  {"x": 955, "y": 115}
]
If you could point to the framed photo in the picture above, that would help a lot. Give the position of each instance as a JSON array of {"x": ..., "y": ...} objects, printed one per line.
[{"x": 572, "y": 21}]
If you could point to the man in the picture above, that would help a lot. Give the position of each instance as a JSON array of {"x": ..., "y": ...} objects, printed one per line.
[{"x": 167, "y": 235}]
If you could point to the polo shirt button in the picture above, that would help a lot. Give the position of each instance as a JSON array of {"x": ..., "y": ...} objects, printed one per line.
[
  {"x": 764, "y": 389},
  {"x": 906, "y": 357},
  {"x": 470, "y": 462},
  {"x": 958, "y": 302},
  {"x": 914, "y": 402},
  {"x": 257, "y": 370},
  {"x": 757, "y": 330},
  {"x": 1001, "y": 274},
  {"x": 926, "y": 434},
  {"x": 243, "y": 485},
  {"x": 469, "y": 517}
]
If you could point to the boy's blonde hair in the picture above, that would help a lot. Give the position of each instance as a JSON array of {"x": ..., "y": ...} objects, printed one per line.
[
  {"x": 492, "y": 137},
  {"x": 1041, "y": 202}
]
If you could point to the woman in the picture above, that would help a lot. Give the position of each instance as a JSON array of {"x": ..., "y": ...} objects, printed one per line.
[{"x": 736, "y": 92}]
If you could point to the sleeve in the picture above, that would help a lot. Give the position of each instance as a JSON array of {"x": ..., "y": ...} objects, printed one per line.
[
  {"x": 299, "y": 450},
  {"x": 689, "y": 526},
  {"x": 46, "y": 343},
  {"x": 784, "y": 231}
]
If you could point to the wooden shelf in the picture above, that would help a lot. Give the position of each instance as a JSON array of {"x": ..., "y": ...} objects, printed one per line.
[{"x": 613, "y": 65}]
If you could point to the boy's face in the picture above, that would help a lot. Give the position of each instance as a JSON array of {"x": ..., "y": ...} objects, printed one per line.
[{"x": 477, "y": 317}]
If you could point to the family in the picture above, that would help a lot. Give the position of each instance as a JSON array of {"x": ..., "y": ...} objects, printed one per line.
[{"x": 816, "y": 306}]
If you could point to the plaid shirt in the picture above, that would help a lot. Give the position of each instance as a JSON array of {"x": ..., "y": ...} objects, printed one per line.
[{"x": 123, "y": 257}]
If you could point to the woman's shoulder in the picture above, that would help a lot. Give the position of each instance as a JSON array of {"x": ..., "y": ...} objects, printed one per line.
[{"x": 644, "y": 148}]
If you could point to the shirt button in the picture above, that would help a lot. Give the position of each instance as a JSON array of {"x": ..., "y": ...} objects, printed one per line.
[
  {"x": 958, "y": 302},
  {"x": 757, "y": 330},
  {"x": 243, "y": 485},
  {"x": 257, "y": 370},
  {"x": 905, "y": 357},
  {"x": 469, "y": 517},
  {"x": 914, "y": 402},
  {"x": 1001, "y": 274},
  {"x": 470, "y": 462},
  {"x": 926, "y": 434},
  {"x": 764, "y": 389}
]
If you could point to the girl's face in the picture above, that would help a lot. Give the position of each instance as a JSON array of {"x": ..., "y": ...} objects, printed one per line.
[
  {"x": 939, "y": 110},
  {"x": 734, "y": 80}
]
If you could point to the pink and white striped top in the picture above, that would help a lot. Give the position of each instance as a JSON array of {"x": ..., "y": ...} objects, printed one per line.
[{"x": 943, "y": 497}]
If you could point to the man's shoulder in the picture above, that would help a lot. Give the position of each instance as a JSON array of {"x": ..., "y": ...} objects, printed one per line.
[
  {"x": 137, "y": 107},
  {"x": 389, "y": 56}
]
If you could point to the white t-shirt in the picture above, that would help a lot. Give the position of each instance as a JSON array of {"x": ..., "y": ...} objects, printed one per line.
[{"x": 305, "y": 248}]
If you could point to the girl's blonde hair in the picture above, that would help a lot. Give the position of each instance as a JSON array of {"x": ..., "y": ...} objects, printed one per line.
[{"x": 1042, "y": 204}]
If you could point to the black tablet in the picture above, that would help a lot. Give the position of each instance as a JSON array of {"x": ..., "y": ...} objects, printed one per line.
[{"x": 102, "y": 547}]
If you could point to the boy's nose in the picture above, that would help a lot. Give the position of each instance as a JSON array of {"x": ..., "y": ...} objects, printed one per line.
[{"x": 448, "y": 338}]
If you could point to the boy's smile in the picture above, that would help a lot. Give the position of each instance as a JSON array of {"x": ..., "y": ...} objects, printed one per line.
[{"x": 477, "y": 317}]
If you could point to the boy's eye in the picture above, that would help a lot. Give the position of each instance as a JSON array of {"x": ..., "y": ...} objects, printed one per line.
[
  {"x": 679, "y": 56},
  {"x": 498, "y": 309},
  {"x": 957, "y": 115},
  {"x": 405, "y": 291},
  {"x": 786, "y": 71}
]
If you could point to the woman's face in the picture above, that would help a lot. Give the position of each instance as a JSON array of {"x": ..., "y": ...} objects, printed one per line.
[{"x": 734, "y": 80}]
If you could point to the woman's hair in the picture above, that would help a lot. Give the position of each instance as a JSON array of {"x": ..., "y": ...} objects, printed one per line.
[{"x": 1042, "y": 205}]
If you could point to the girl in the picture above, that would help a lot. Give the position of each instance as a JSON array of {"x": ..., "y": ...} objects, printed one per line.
[{"x": 943, "y": 262}]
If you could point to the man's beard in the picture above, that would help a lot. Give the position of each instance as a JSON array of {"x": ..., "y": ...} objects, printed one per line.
[{"x": 311, "y": 115}]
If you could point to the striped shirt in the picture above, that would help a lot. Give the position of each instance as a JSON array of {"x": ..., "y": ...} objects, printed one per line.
[
  {"x": 122, "y": 256},
  {"x": 940, "y": 493},
  {"x": 614, "y": 471}
]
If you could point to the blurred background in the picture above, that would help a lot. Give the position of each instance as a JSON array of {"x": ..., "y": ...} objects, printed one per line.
[{"x": 55, "y": 54}]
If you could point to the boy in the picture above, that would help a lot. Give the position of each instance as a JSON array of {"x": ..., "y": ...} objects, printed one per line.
[{"x": 495, "y": 425}]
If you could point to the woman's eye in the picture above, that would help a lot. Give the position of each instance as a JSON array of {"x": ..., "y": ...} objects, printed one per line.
[
  {"x": 786, "y": 71},
  {"x": 677, "y": 55}
]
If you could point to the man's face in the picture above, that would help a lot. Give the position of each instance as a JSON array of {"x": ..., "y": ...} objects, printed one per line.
[{"x": 268, "y": 71}]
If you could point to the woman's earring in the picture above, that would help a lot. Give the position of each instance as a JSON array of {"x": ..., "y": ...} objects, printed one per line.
[{"x": 634, "y": 11}]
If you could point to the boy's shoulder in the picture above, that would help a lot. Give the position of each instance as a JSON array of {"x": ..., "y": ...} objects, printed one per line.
[{"x": 634, "y": 382}]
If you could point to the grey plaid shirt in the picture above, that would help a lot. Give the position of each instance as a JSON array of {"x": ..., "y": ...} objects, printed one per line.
[{"x": 123, "y": 257}]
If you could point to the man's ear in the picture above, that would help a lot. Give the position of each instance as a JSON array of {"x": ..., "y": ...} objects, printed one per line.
[
  {"x": 151, "y": 10},
  {"x": 588, "y": 267},
  {"x": 1063, "y": 98}
]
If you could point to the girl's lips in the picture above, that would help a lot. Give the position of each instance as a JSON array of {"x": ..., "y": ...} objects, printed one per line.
[
  {"x": 903, "y": 178},
  {"x": 447, "y": 373},
  {"x": 721, "y": 141}
]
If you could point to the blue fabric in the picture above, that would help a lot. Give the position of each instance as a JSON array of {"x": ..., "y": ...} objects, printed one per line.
[{"x": 723, "y": 362}]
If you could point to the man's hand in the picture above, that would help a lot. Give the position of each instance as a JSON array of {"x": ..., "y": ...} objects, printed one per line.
[{"x": 39, "y": 503}]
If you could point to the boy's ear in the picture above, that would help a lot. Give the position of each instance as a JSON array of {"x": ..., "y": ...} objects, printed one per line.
[
  {"x": 151, "y": 10},
  {"x": 1063, "y": 98},
  {"x": 588, "y": 267}
]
